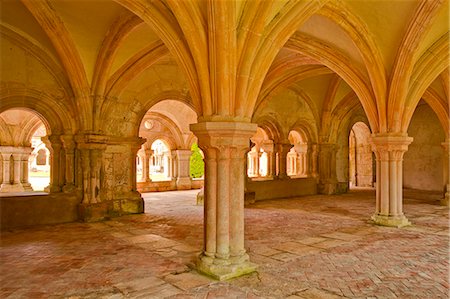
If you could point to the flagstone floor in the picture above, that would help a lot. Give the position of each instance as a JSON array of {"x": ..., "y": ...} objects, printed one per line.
[{"x": 309, "y": 247}]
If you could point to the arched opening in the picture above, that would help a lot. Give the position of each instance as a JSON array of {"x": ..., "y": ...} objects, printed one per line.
[
  {"x": 361, "y": 161},
  {"x": 297, "y": 161},
  {"x": 25, "y": 159},
  {"x": 196, "y": 163},
  {"x": 164, "y": 161},
  {"x": 261, "y": 157}
]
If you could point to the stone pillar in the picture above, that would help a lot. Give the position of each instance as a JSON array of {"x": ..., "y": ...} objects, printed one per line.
[
  {"x": 257, "y": 156},
  {"x": 224, "y": 145},
  {"x": 174, "y": 168},
  {"x": 91, "y": 148},
  {"x": 69, "y": 157},
  {"x": 327, "y": 168},
  {"x": 183, "y": 177},
  {"x": 283, "y": 150},
  {"x": 271, "y": 167},
  {"x": 17, "y": 172},
  {"x": 146, "y": 165},
  {"x": 24, "y": 162},
  {"x": 6, "y": 184},
  {"x": 446, "y": 198},
  {"x": 389, "y": 150},
  {"x": 53, "y": 144}
]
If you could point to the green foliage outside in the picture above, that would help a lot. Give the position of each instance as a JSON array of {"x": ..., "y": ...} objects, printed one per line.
[{"x": 196, "y": 165}]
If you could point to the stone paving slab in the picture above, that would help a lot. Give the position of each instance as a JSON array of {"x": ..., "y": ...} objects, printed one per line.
[{"x": 308, "y": 247}]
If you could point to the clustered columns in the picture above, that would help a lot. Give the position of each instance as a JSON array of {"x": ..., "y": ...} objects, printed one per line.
[
  {"x": 14, "y": 177},
  {"x": 261, "y": 160},
  {"x": 298, "y": 161},
  {"x": 224, "y": 145},
  {"x": 446, "y": 198},
  {"x": 389, "y": 150},
  {"x": 91, "y": 149},
  {"x": 283, "y": 149}
]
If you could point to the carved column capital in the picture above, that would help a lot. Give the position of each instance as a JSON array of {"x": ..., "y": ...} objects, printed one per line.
[{"x": 390, "y": 146}]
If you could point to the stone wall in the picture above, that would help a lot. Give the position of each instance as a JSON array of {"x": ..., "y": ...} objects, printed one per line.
[
  {"x": 273, "y": 189},
  {"x": 422, "y": 163},
  {"x": 29, "y": 210}
]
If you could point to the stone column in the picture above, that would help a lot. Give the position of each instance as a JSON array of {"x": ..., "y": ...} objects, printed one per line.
[
  {"x": 134, "y": 148},
  {"x": 69, "y": 150},
  {"x": 327, "y": 168},
  {"x": 6, "y": 184},
  {"x": 146, "y": 165},
  {"x": 257, "y": 156},
  {"x": 53, "y": 144},
  {"x": 174, "y": 168},
  {"x": 224, "y": 145},
  {"x": 183, "y": 177},
  {"x": 389, "y": 150},
  {"x": 271, "y": 164},
  {"x": 24, "y": 162},
  {"x": 17, "y": 170},
  {"x": 313, "y": 160},
  {"x": 446, "y": 198},
  {"x": 283, "y": 150}
]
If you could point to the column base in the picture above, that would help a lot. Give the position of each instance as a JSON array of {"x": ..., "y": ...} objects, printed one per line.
[
  {"x": 393, "y": 221},
  {"x": 12, "y": 188},
  {"x": 184, "y": 183},
  {"x": 224, "y": 269},
  {"x": 27, "y": 187},
  {"x": 52, "y": 189},
  {"x": 69, "y": 188}
]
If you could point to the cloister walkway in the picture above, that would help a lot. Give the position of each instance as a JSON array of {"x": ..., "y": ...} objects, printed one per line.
[{"x": 308, "y": 247}]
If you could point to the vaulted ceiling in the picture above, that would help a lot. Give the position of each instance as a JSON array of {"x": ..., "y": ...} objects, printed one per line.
[{"x": 234, "y": 60}]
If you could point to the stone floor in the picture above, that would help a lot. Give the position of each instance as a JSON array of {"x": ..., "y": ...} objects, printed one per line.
[{"x": 309, "y": 247}]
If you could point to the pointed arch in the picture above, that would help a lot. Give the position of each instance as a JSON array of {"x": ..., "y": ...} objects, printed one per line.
[
  {"x": 58, "y": 119},
  {"x": 66, "y": 49},
  {"x": 276, "y": 33},
  {"x": 30, "y": 45},
  {"x": 340, "y": 64},
  {"x": 277, "y": 82},
  {"x": 427, "y": 69},
  {"x": 166, "y": 26},
  {"x": 403, "y": 68},
  {"x": 175, "y": 131},
  {"x": 358, "y": 31},
  {"x": 439, "y": 106},
  {"x": 117, "y": 33},
  {"x": 135, "y": 66}
]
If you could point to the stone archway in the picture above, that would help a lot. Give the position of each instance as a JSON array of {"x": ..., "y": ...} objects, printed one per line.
[
  {"x": 361, "y": 170},
  {"x": 22, "y": 147}
]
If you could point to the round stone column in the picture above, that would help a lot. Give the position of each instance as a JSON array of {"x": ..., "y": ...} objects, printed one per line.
[{"x": 224, "y": 145}]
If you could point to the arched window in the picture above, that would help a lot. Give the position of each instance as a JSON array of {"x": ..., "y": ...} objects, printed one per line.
[
  {"x": 261, "y": 157},
  {"x": 298, "y": 157}
]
